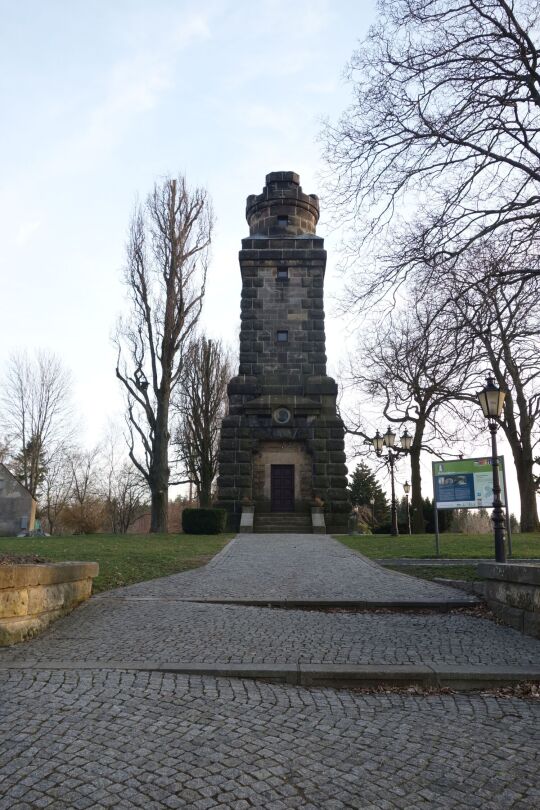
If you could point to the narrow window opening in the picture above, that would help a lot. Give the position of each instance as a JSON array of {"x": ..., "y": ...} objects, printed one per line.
[
  {"x": 283, "y": 220},
  {"x": 282, "y": 336},
  {"x": 282, "y": 274}
]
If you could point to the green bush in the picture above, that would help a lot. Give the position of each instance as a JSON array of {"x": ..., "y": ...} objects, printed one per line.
[{"x": 203, "y": 521}]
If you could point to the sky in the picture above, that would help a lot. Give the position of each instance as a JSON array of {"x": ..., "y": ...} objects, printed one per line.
[{"x": 99, "y": 100}]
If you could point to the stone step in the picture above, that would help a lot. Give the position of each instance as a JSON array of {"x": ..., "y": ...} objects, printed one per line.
[
  {"x": 282, "y": 529},
  {"x": 301, "y": 520},
  {"x": 284, "y": 522},
  {"x": 284, "y": 515},
  {"x": 280, "y": 516}
]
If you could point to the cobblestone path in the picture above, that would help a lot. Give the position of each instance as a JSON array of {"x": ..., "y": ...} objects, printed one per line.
[
  {"x": 105, "y": 736},
  {"x": 132, "y": 740},
  {"x": 292, "y": 567},
  {"x": 168, "y": 631}
]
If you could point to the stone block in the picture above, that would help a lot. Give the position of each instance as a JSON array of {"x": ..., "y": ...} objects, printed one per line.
[
  {"x": 511, "y": 616},
  {"x": 227, "y": 492},
  {"x": 335, "y": 444},
  {"x": 524, "y": 573},
  {"x": 24, "y": 575},
  {"x": 531, "y": 623},
  {"x": 22, "y": 628},
  {"x": 525, "y": 597},
  {"x": 318, "y": 445},
  {"x": 13, "y": 602},
  {"x": 335, "y": 494},
  {"x": 43, "y": 598},
  {"x": 227, "y": 478},
  {"x": 230, "y": 421},
  {"x": 33, "y": 598},
  {"x": 342, "y": 507},
  {"x": 228, "y": 443},
  {"x": 337, "y": 469}
]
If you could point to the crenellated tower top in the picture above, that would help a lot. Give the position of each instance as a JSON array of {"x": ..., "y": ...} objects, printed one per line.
[{"x": 282, "y": 209}]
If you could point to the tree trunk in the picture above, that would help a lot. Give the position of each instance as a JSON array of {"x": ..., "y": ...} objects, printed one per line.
[
  {"x": 159, "y": 476},
  {"x": 523, "y": 461},
  {"x": 159, "y": 517},
  {"x": 205, "y": 494},
  {"x": 418, "y": 524},
  {"x": 527, "y": 496}
]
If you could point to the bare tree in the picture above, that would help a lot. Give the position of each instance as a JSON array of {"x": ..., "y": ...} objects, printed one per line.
[
  {"x": 4, "y": 451},
  {"x": 201, "y": 403},
  {"x": 503, "y": 321},
  {"x": 56, "y": 488},
  {"x": 36, "y": 413},
  {"x": 123, "y": 487},
  {"x": 125, "y": 498},
  {"x": 442, "y": 139},
  {"x": 167, "y": 255},
  {"x": 415, "y": 366},
  {"x": 85, "y": 511}
]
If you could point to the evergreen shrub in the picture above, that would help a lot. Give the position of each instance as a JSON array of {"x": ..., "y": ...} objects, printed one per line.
[{"x": 203, "y": 521}]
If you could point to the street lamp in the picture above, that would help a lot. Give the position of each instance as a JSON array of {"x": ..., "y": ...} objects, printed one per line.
[
  {"x": 372, "y": 502},
  {"x": 491, "y": 401},
  {"x": 388, "y": 442},
  {"x": 406, "y": 490}
]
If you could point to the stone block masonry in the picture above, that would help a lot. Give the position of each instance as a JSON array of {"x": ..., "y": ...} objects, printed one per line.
[
  {"x": 32, "y": 596},
  {"x": 282, "y": 405},
  {"x": 512, "y": 591}
]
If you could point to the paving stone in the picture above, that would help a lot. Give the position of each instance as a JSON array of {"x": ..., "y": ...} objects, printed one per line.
[
  {"x": 149, "y": 623},
  {"x": 291, "y": 566},
  {"x": 106, "y": 738},
  {"x": 322, "y": 748}
]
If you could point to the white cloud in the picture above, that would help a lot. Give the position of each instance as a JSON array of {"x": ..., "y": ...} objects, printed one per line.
[{"x": 26, "y": 231}]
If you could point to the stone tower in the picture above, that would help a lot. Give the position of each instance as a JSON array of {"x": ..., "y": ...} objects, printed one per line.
[{"x": 282, "y": 443}]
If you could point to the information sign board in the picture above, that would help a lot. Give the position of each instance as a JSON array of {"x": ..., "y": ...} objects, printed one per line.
[{"x": 465, "y": 483}]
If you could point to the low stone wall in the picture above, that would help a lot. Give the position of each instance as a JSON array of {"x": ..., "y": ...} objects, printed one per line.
[
  {"x": 34, "y": 595},
  {"x": 512, "y": 591}
]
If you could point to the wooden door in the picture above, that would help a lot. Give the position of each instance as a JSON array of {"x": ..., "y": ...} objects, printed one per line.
[{"x": 282, "y": 487}]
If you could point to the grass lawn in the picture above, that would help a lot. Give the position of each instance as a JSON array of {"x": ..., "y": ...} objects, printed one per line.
[
  {"x": 454, "y": 546},
  {"x": 467, "y": 572},
  {"x": 123, "y": 559}
]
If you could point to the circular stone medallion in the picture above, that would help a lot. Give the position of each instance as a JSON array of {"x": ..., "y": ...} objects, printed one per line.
[{"x": 282, "y": 416}]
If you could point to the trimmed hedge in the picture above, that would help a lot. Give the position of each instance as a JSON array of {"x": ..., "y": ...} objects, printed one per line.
[{"x": 203, "y": 521}]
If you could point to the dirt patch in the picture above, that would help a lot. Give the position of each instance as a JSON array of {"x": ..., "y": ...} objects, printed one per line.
[
  {"x": 528, "y": 690},
  {"x": 18, "y": 559}
]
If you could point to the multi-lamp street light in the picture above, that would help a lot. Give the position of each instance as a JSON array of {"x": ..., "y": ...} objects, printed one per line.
[
  {"x": 388, "y": 442},
  {"x": 491, "y": 400}
]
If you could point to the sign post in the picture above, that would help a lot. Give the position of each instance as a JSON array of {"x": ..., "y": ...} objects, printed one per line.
[
  {"x": 466, "y": 483},
  {"x": 437, "y": 536}
]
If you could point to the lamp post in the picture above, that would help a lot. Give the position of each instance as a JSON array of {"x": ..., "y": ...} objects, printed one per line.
[
  {"x": 372, "y": 502},
  {"x": 388, "y": 442},
  {"x": 406, "y": 490},
  {"x": 491, "y": 401}
]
